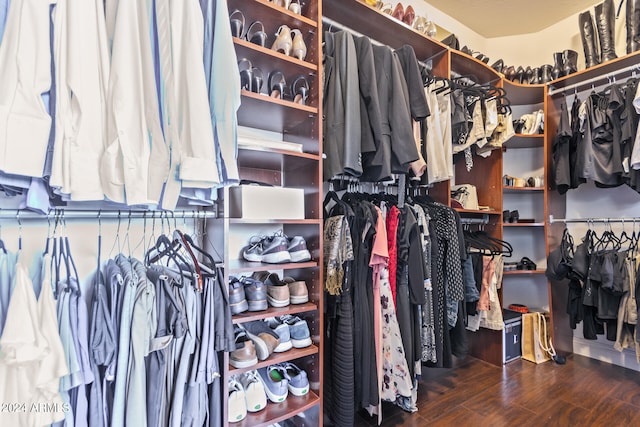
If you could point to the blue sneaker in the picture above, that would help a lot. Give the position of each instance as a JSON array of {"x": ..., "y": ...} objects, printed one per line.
[
  {"x": 298, "y": 330},
  {"x": 298, "y": 381},
  {"x": 274, "y": 379},
  {"x": 282, "y": 329}
]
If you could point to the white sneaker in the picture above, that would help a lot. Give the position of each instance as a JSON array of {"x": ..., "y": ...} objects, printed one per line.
[
  {"x": 255, "y": 396},
  {"x": 237, "y": 401}
]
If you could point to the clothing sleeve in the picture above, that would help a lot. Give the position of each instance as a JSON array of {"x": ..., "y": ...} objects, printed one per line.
[
  {"x": 402, "y": 143},
  {"x": 417, "y": 100}
]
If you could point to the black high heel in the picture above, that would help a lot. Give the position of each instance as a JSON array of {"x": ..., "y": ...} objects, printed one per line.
[
  {"x": 300, "y": 90},
  {"x": 535, "y": 74},
  {"x": 257, "y": 36},
  {"x": 510, "y": 73},
  {"x": 527, "y": 75},
  {"x": 498, "y": 65},
  {"x": 519, "y": 74},
  {"x": 246, "y": 74},
  {"x": 277, "y": 84},
  {"x": 257, "y": 79},
  {"x": 237, "y": 23}
]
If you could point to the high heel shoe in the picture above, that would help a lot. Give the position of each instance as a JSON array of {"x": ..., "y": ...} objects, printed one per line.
[
  {"x": 299, "y": 47},
  {"x": 398, "y": 12},
  {"x": 295, "y": 6},
  {"x": 281, "y": 3},
  {"x": 387, "y": 8},
  {"x": 283, "y": 41},
  {"x": 409, "y": 15},
  {"x": 257, "y": 78},
  {"x": 236, "y": 19},
  {"x": 300, "y": 90},
  {"x": 527, "y": 75},
  {"x": 420, "y": 24},
  {"x": 510, "y": 72},
  {"x": 519, "y": 74},
  {"x": 256, "y": 34},
  {"x": 498, "y": 65},
  {"x": 246, "y": 74},
  {"x": 277, "y": 84}
]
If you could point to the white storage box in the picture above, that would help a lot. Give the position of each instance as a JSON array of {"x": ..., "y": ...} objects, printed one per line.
[{"x": 263, "y": 202}]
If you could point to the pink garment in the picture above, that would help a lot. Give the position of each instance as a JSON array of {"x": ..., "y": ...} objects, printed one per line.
[
  {"x": 378, "y": 261},
  {"x": 487, "y": 276},
  {"x": 392, "y": 245}
]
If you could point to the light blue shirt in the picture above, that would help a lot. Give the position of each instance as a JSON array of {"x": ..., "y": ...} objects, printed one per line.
[{"x": 4, "y": 11}]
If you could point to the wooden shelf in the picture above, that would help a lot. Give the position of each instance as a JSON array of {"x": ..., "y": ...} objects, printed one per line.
[
  {"x": 268, "y": 60},
  {"x": 525, "y": 141},
  {"x": 249, "y": 316},
  {"x": 257, "y": 156},
  {"x": 524, "y": 94},
  {"x": 265, "y": 8},
  {"x": 276, "y": 221},
  {"x": 522, "y": 272},
  {"x": 522, "y": 224},
  {"x": 276, "y": 115},
  {"x": 477, "y": 212},
  {"x": 293, "y": 354},
  {"x": 465, "y": 65},
  {"x": 381, "y": 27},
  {"x": 276, "y": 412},
  {"x": 511, "y": 189},
  {"x": 242, "y": 266}
]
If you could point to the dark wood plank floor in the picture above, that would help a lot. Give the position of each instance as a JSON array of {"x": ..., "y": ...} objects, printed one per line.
[{"x": 584, "y": 392}]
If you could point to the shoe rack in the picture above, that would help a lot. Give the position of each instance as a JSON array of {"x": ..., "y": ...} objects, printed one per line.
[{"x": 292, "y": 122}]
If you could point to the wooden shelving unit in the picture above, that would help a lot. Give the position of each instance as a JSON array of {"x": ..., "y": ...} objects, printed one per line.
[{"x": 295, "y": 123}]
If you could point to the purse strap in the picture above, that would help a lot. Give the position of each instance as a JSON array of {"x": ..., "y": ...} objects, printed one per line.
[{"x": 545, "y": 343}]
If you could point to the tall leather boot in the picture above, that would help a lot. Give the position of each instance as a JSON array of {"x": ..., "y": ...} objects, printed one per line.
[
  {"x": 588, "y": 35},
  {"x": 570, "y": 58},
  {"x": 605, "y": 15},
  {"x": 546, "y": 73},
  {"x": 558, "y": 66},
  {"x": 633, "y": 25}
]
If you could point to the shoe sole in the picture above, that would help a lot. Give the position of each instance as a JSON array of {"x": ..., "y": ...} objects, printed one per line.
[
  {"x": 299, "y": 300},
  {"x": 239, "y": 307},
  {"x": 243, "y": 363},
  {"x": 278, "y": 302},
  {"x": 283, "y": 346},
  {"x": 257, "y": 305},
  {"x": 262, "y": 350},
  {"x": 274, "y": 258},
  {"x": 298, "y": 391},
  {"x": 306, "y": 342},
  {"x": 300, "y": 256}
]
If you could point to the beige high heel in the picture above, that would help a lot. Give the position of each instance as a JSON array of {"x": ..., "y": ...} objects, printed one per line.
[
  {"x": 299, "y": 47},
  {"x": 281, "y": 3},
  {"x": 283, "y": 41},
  {"x": 295, "y": 7}
]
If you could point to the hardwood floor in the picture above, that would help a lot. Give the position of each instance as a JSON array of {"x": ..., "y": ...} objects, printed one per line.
[{"x": 584, "y": 392}]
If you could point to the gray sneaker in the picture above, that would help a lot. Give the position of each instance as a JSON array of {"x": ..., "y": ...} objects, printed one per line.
[
  {"x": 277, "y": 290},
  {"x": 256, "y": 294},
  {"x": 297, "y": 248},
  {"x": 274, "y": 379},
  {"x": 298, "y": 330},
  {"x": 282, "y": 329},
  {"x": 272, "y": 250},
  {"x": 237, "y": 299},
  {"x": 263, "y": 337},
  {"x": 298, "y": 381}
]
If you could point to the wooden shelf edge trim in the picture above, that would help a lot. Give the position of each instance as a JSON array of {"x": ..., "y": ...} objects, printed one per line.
[
  {"x": 293, "y": 354},
  {"x": 287, "y": 12},
  {"x": 312, "y": 221},
  {"x": 303, "y": 155},
  {"x": 282, "y": 102},
  {"x": 239, "y": 266},
  {"x": 278, "y": 55},
  {"x": 249, "y": 316}
]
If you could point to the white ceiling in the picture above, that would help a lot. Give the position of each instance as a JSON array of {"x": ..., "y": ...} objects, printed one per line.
[{"x": 498, "y": 18}]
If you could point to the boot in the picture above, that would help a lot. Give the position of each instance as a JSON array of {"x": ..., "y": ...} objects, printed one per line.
[
  {"x": 546, "y": 74},
  {"x": 570, "y": 58},
  {"x": 633, "y": 25},
  {"x": 588, "y": 35},
  {"x": 605, "y": 15},
  {"x": 527, "y": 75},
  {"x": 558, "y": 66},
  {"x": 533, "y": 79}
]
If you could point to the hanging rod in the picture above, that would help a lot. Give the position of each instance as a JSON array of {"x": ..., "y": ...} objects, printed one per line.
[
  {"x": 483, "y": 220},
  {"x": 592, "y": 220},
  {"x": 19, "y": 214},
  {"x": 588, "y": 82}
]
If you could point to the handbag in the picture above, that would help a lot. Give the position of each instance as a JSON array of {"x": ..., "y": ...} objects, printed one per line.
[
  {"x": 466, "y": 195},
  {"x": 536, "y": 342}
]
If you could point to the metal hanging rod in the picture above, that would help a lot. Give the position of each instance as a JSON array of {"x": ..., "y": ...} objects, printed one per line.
[
  {"x": 588, "y": 82},
  {"x": 343, "y": 27},
  {"x": 19, "y": 215},
  {"x": 592, "y": 220},
  {"x": 482, "y": 221}
]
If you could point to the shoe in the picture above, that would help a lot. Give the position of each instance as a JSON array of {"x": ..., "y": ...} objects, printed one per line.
[
  {"x": 300, "y": 90},
  {"x": 510, "y": 72},
  {"x": 570, "y": 61},
  {"x": 275, "y": 383},
  {"x": 281, "y": 3},
  {"x": 298, "y": 383},
  {"x": 283, "y": 42},
  {"x": 386, "y": 8},
  {"x": 295, "y": 7},
  {"x": 237, "y": 402},
  {"x": 588, "y": 36},
  {"x": 299, "y": 48},
  {"x": 237, "y": 299},
  {"x": 535, "y": 74},
  {"x": 515, "y": 216},
  {"x": 633, "y": 25},
  {"x": 498, "y": 65},
  {"x": 420, "y": 24},
  {"x": 245, "y": 353},
  {"x": 256, "y": 34},
  {"x": 527, "y": 264},
  {"x": 271, "y": 250},
  {"x": 246, "y": 74},
  {"x": 298, "y": 292},
  {"x": 398, "y": 12},
  {"x": 256, "y": 80},
  {"x": 409, "y": 15},
  {"x": 277, "y": 290},
  {"x": 256, "y": 294},
  {"x": 255, "y": 396},
  {"x": 506, "y": 216},
  {"x": 277, "y": 84},
  {"x": 297, "y": 248},
  {"x": 236, "y": 19},
  {"x": 264, "y": 339},
  {"x": 282, "y": 329},
  {"x": 605, "y": 17},
  {"x": 519, "y": 75},
  {"x": 298, "y": 330},
  {"x": 558, "y": 66},
  {"x": 528, "y": 72}
]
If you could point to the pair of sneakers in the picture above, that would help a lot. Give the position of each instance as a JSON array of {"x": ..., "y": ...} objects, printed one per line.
[
  {"x": 292, "y": 331},
  {"x": 283, "y": 378},
  {"x": 276, "y": 249},
  {"x": 281, "y": 293},
  {"x": 246, "y": 394},
  {"x": 245, "y": 294}
]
